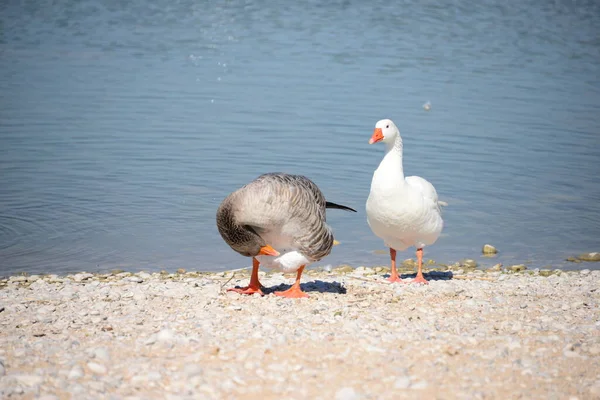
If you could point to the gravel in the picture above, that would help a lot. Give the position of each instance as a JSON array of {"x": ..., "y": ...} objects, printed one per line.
[{"x": 469, "y": 335}]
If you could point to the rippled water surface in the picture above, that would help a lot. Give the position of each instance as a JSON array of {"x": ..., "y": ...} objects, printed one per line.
[{"x": 123, "y": 124}]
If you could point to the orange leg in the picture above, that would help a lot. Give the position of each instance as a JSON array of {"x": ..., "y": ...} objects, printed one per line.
[
  {"x": 254, "y": 286},
  {"x": 420, "y": 278},
  {"x": 394, "y": 277},
  {"x": 294, "y": 292}
]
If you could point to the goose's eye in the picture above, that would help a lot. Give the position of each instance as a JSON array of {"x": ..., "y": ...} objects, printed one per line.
[{"x": 387, "y": 126}]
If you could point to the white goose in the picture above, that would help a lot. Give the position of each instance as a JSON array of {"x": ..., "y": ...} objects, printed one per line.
[{"x": 404, "y": 212}]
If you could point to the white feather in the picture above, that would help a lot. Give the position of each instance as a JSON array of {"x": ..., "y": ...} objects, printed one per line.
[{"x": 404, "y": 212}]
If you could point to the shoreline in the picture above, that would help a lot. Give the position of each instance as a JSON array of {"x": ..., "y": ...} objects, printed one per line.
[
  {"x": 468, "y": 334},
  {"x": 579, "y": 262},
  {"x": 405, "y": 267}
]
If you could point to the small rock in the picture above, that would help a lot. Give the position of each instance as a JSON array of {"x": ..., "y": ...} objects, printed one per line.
[
  {"x": 76, "y": 389},
  {"x": 144, "y": 275},
  {"x": 154, "y": 376},
  {"x": 150, "y": 340},
  {"x": 402, "y": 382},
  {"x": 46, "y": 309},
  {"x": 102, "y": 353},
  {"x": 48, "y": 397},
  {"x": 589, "y": 256},
  {"x": 346, "y": 393},
  {"x": 419, "y": 385},
  {"x": 113, "y": 296},
  {"x": 2, "y": 369},
  {"x": 489, "y": 249},
  {"x": 468, "y": 263},
  {"x": 517, "y": 268},
  {"x": 97, "y": 368},
  {"x": 135, "y": 279},
  {"x": 409, "y": 263},
  {"x": 593, "y": 350},
  {"x": 343, "y": 268},
  {"x": 29, "y": 380},
  {"x": 212, "y": 291},
  {"x": 165, "y": 336},
  {"x": 545, "y": 272},
  {"x": 495, "y": 268},
  {"x": 76, "y": 372},
  {"x": 139, "y": 380},
  {"x": 81, "y": 277},
  {"x": 585, "y": 272},
  {"x": 139, "y": 296},
  {"x": 360, "y": 270},
  {"x": 192, "y": 370}
]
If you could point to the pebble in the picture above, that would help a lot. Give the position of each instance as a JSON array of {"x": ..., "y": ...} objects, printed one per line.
[
  {"x": 419, "y": 385},
  {"x": 595, "y": 256},
  {"x": 402, "y": 382},
  {"x": 489, "y": 249},
  {"x": 76, "y": 372},
  {"x": 97, "y": 368},
  {"x": 29, "y": 380},
  {"x": 81, "y": 277},
  {"x": 517, "y": 268},
  {"x": 48, "y": 397},
  {"x": 102, "y": 354},
  {"x": 139, "y": 296},
  {"x": 192, "y": 370},
  {"x": 165, "y": 336},
  {"x": 543, "y": 328},
  {"x": 347, "y": 393}
]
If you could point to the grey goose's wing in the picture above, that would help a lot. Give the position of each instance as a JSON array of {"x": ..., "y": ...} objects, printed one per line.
[{"x": 291, "y": 205}]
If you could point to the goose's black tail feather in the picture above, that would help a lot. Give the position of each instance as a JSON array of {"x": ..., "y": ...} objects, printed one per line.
[{"x": 329, "y": 204}]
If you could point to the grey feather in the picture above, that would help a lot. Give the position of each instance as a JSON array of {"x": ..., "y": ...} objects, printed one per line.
[{"x": 276, "y": 205}]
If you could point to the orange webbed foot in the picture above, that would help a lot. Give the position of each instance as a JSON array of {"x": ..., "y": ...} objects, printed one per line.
[
  {"x": 247, "y": 290},
  {"x": 420, "y": 279},
  {"x": 292, "y": 293},
  {"x": 394, "y": 277}
]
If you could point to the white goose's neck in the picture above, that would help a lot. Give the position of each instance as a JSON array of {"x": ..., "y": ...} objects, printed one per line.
[{"x": 391, "y": 165}]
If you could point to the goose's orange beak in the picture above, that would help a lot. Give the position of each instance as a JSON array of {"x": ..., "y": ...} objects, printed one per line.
[
  {"x": 267, "y": 250},
  {"x": 377, "y": 136}
]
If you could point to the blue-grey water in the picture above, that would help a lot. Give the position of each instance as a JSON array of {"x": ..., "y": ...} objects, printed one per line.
[{"x": 123, "y": 124}]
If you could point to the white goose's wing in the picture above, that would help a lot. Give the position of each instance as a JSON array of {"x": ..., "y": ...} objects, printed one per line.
[{"x": 427, "y": 190}]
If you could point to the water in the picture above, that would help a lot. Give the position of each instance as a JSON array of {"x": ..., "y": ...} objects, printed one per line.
[{"x": 124, "y": 124}]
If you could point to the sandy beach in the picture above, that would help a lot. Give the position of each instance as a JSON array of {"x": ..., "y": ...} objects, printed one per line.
[{"x": 466, "y": 335}]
